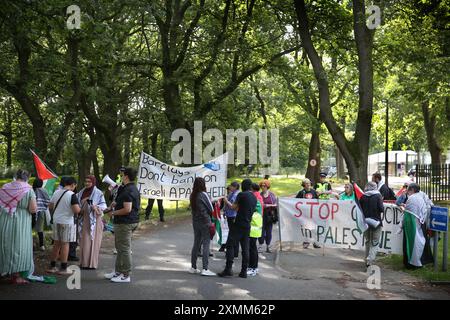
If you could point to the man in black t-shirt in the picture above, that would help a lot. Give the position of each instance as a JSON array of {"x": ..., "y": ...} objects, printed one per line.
[
  {"x": 126, "y": 218},
  {"x": 245, "y": 205}
]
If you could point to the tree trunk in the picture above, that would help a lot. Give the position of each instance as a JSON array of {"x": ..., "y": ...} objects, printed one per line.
[
  {"x": 127, "y": 143},
  {"x": 96, "y": 169},
  {"x": 154, "y": 140},
  {"x": 355, "y": 152},
  {"x": 430, "y": 126},
  {"x": 8, "y": 133},
  {"x": 340, "y": 170},
  {"x": 112, "y": 159},
  {"x": 313, "y": 172}
]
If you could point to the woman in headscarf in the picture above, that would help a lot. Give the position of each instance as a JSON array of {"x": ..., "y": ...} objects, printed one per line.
[
  {"x": 372, "y": 207},
  {"x": 17, "y": 204},
  {"x": 90, "y": 227},
  {"x": 416, "y": 242}
]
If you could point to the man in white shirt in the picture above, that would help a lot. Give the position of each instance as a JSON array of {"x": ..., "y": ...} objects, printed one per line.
[{"x": 65, "y": 205}]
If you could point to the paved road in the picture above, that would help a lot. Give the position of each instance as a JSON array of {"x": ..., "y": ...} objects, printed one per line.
[{"x": 161, "y": 257}]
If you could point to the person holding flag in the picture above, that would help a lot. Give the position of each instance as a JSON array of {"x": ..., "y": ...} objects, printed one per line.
[{"x": 416, "y": 241}]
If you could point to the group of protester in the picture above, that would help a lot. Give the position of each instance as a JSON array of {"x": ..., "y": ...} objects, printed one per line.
[
  {"x": 20, "y": 204},
  {"x": 250, "y": 210},
  {"x": 249, "y": 215},
  {"x": 241, "y": 212}
]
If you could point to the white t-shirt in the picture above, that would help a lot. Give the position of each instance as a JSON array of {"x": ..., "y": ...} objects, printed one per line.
[{"x": 64, "y": 213}]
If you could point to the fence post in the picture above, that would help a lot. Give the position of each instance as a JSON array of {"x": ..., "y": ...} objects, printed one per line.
[
  {"x": 444, "y": 256},
  {"x": 435, "y": 250}
]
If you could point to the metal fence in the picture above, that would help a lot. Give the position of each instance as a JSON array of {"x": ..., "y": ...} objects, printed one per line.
[{"x": 434, "y": 181}]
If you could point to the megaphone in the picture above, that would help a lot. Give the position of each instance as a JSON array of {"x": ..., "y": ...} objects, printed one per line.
[{"x": 109, "y": 181}]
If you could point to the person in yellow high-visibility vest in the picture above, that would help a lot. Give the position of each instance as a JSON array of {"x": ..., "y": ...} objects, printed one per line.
[
  {"x": 256, "y": 226},
  {"x": 323, "y": 188}
]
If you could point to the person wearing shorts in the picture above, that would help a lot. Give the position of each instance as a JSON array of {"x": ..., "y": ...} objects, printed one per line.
[{"x": 65, "y": 205}]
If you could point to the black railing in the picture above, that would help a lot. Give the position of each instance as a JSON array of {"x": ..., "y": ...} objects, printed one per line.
[{"x": 434, "y": 181}]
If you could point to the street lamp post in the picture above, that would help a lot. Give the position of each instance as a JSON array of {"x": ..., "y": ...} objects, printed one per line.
[{"x": 386, "y": 147}]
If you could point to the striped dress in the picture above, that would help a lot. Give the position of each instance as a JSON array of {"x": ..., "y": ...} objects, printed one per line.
[{"x": 16, "y": 242}]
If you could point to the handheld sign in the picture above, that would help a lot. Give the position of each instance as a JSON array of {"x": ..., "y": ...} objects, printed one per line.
[{"x": 439, "y": 219}]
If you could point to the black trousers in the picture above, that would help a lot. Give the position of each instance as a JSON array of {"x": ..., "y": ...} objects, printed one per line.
[
  {"x": 238, "y": 235},
  {"x": 230, "y": 222},
  {"x": 253, "y": 253},
  {"x": 148, "y": 210}
]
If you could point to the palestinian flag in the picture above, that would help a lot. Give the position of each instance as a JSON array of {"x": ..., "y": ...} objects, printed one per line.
[
  {"x": 415, "y": 240},
  {"x": 361, "y": 224},
  {"x": 358, "y": 191},
  {"x": 216, "y": 220},
  {"x": 400, "y": 192},
  {"x": 44, "y": 173}
]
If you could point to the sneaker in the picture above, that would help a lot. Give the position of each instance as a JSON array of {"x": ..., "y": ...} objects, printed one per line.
[
  {"x": 243, "y": 274},
  {"x": 111, "y": 275},
  {"x": 260, "y": 249},
  {"x": 64, "y": 272},
  {"x": 225, "y": 273},
  {"x": 193, "y": 271},
  {"x": 206, "y": 272},
  {"x": 52, "y": 270},
  {"x": 316, "y": 245},
  {"x": 222, "y": 248},
  {"x": 121, "y": 279},
  {"x": 115, "y": 251},
  {"x": 305, "y": 245},
  {"x": 42, "y": 248},
  {"x": 251, "y": 272}
]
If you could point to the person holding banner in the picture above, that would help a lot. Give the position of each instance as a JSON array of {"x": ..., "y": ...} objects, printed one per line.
[
  {"x": 202, "y": 209},
  {"x": 372, "y": 207},
  {"x": 348, "y": 193},
  {"x": 323, "y": 188},
  {"x": 245, "y": 205},
  {"x": 308, "y": 193}
]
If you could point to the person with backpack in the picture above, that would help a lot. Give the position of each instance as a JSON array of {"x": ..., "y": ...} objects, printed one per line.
[{"x": 65, "y": 205}]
